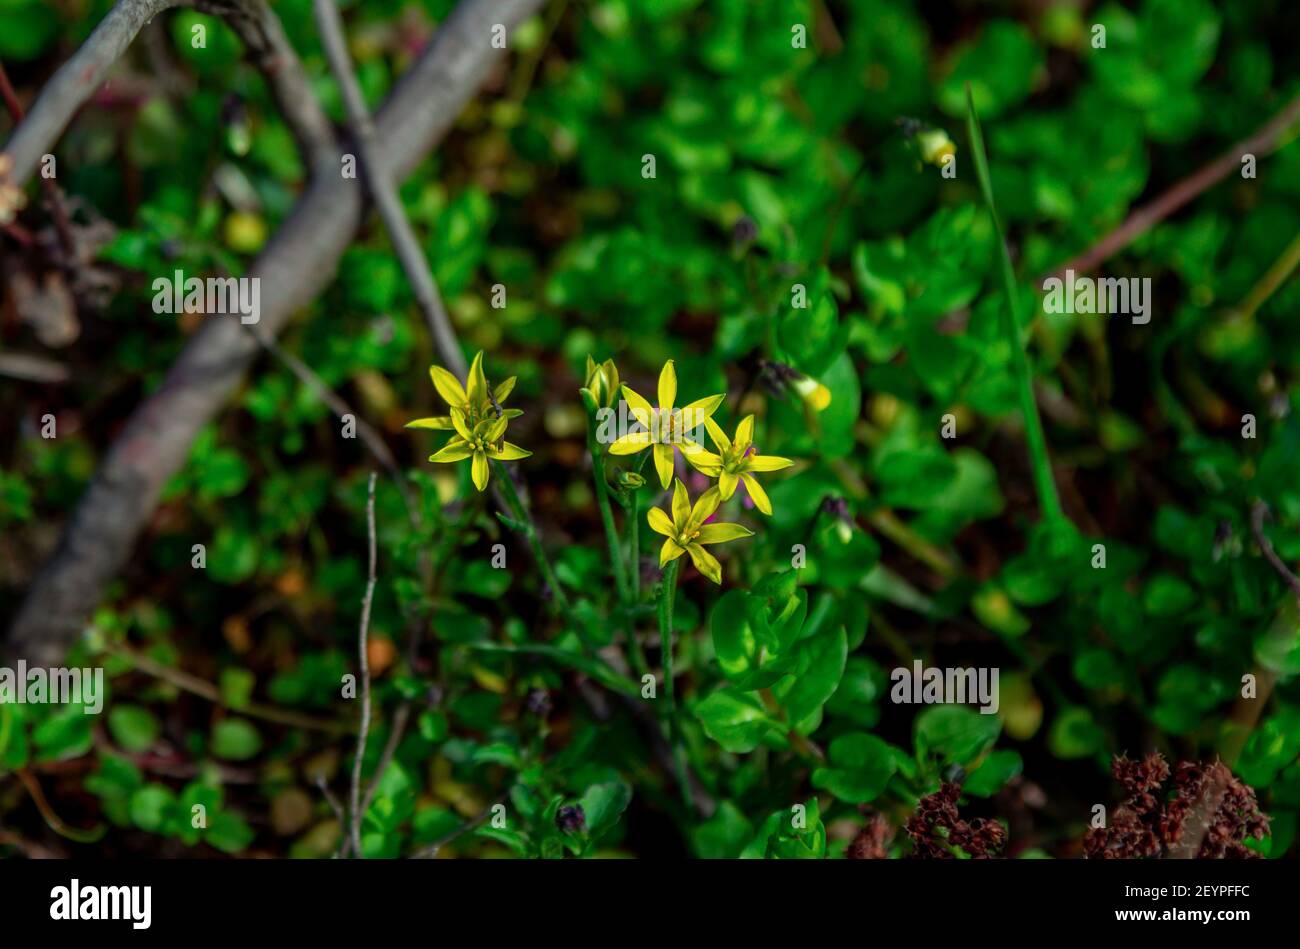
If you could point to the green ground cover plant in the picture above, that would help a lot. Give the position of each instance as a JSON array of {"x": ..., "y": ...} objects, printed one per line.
[{"x": 753, "y": 416}]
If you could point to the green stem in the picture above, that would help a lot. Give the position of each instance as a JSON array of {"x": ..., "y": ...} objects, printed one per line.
[
  {"x": 1273, "y": 278},
  {"x": 667, "y": 592},
  {"x": 1044, "y": 482},
  {"x": 634, "y": 546},
  {"x": 517, "y": 511},
  {"x": 634, "y": 582},
  {"x": 607, "y": 517}
]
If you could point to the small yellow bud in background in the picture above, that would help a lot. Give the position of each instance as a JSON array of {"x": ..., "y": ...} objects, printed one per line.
[
  {"x": 813, "y": 392},
  {"x": 245, "y": 232},
  {"x": 935, "y": 146}
]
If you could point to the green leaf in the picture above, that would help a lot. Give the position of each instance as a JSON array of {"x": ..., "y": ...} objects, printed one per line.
[
  {"x": 955, "y": 733},
  {"x": 992, "y": 774},
  {"x": 1002, "y": 66},
  {"x": 228, "y": 832},
  {"x": 724, "y": 835},
  {"x": 737, "y": 720},
  {"x": 235, "y": 739},
  {"x": 819, "y": 666},
  {"x": 860, "y": 768},
  {"x": 151, "y": 807},
  {"x": 65, "y": 734},
  {"x": 133, "y": 727},
  {"x": 603, "y": 803},
  {"x": 1074, "y": 734}
]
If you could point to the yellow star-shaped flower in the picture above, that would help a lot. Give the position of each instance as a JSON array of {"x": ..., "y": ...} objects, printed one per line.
[
  {"x": 737, "y": 461},
  {"x": 485, "y": 441},
  {"x": 665, "y": 427},
  {"x": 474, "y": 403},
  {"x": 687, "y": 533}
]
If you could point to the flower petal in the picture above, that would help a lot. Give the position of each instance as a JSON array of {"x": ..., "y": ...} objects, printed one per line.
[
  {"x": 745, "y": 432},
  {"x": 629, "y": 444},
  {"x": 660, "y": 522},
  {"x": 767, "y": 463},
  {"x": 727, "y": 482},
  {"x": 509, "y": 452},
  {"x": 503, "y": 391},
  {"x": 721, "y": 533},
  {"x": 448, "y": 387},
  {"x": 701, "y": 409},
  {"x": 441, "y": 423},
  {"x": 458, "y": 422},
  {"x": 480, "y": 470},
  {"x": 704, "y": 508},
  {"x": 496, "y": 429},
  {"x": 757, "y": 494},
  {"x": 670, "y": 551},
  {"x": 664, "y": 464},
  {"x": 681, "y": 505},
  {"x": 642, "y": 410},
  {"x": 476, "y": 388},
  {"x": 706, "y": 563},
  {"x": 455, "y": 450},
  {"x": 705, "y": 462},
  {"x": 667, "y": 385},
  {"x": 719, "y": 437}
]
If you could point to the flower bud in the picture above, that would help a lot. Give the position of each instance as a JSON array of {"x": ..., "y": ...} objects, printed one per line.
[
  {"x": 630, "y": 479},
  {"x": 571, "y": 819},
  {"x": 812, "y": 392},
  {"x": 935, "y": 146}
]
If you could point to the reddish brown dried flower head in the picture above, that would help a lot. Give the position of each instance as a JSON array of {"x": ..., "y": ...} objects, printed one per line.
[
  {"x": 936, "y": 827},
  {"x": 1206, "y": 812},
  {"x": 872, "y": 841}
]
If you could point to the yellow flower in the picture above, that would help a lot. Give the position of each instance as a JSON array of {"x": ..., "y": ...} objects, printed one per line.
[
  {"x": 484, "y": 441},
  {"x": 687, "y": 533},
  {"x": 477, "y": 418},
  {"x": 665, "y": 426},
  {"x": 475, "y": 404},
  {"x": 737, "y": 460}
]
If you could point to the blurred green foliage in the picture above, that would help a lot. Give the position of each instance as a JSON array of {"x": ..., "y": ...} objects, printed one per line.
[{"x": 776, "y": 167}]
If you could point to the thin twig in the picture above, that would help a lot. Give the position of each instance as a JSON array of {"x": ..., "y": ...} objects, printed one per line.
[
  {"x": 33, "y": 368},
  {"x": 400, "y": 232},
  {"x": 1270, "y": 281},
  {"x": 400, "y": 718},
  {"x": 431, "y": 850},
  {"x": 53, "y": 820},
  {"x": 206, "y": 690},
  {"x": 337, "y": 807},
  {"x": 1258, "y": 514},
  {"x": 363, "y": 650},
  {"x": 369, "y": 436},
  {"x": 1263, "y": 142}
]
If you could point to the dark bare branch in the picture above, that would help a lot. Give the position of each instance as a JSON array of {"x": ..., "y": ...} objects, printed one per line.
[
  {"x": 295, "y": 267},
  {"x": 384, "y": 194},
  {"x": 78, "y": 79}
]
